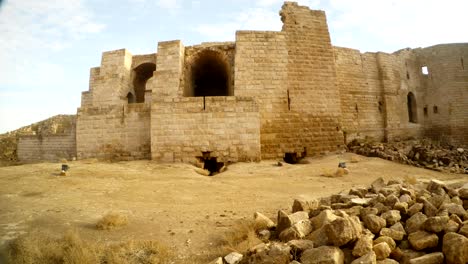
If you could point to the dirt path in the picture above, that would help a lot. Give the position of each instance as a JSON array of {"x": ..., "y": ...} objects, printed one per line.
[{"x": 170, "y": 202}]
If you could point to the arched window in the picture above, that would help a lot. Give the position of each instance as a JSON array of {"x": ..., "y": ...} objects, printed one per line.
[
  {"x": 412, "y": 109},
  {"x": 142, "y": 73},
  {"x": 130, "y": 98},
  {"x": 208, "y": 75}
]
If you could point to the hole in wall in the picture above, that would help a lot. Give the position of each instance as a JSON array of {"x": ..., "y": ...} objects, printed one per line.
[
  {"x": 380, "y": 106},
  {"x": 424, "y": 70},
  {"x": 435, "y": 109},
  {"x": 356, "y": 108},
  {"x": 412, "y": 109},
  {"x": 142, "y": 74},
  {"x": 407, "y": 75},
  {"x": 211, "y": 164},
  {"x": 289, "y": 101},
  {"x": 462, "y": 64},
  {"x": 425, "y": 111},
  {"x": 294, "y": 157}
]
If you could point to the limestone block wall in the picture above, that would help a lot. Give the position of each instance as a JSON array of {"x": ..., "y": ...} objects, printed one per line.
[
  {"x": 261, "y": 73},
  {"x": 312, "y": 86},
  {"x": 446, "y": 92},
  {"x": 120, "y": 132},
  {"x": 227, "y": 126},
  {"x": 361, "y": 94},
  {"x": 109, "y": 83},
  {"x": 34, "y": 148}
]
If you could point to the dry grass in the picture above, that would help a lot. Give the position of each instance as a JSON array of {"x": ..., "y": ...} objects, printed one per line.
[
  {"x": 340, "y": 172},
  {"x": 240, "y": 237},
  {"x": 112, "y": 220},
  {"x": 410, "y": 179},
  {"x": 39, "y": 247}
]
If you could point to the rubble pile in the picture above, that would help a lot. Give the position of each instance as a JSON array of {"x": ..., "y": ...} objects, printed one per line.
[
  {"x": 389, "y": 222},
  {"x": 420, "y": 153}
]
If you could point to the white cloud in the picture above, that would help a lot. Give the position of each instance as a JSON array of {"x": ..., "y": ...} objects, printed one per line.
[
  {"x": 30, "y": 29},
  {"x": 397, "y": 24},
  {"x": 171, "y": 5},
  {"x": 250, "y": 19}
]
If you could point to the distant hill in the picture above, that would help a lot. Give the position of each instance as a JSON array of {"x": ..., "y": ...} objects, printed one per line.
[{"x": 58, "y": 124}]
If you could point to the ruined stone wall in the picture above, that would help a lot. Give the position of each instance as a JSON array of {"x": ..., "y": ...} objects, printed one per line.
[
  {"x": 374, "y": 88},
  {"x": 114, "y": 132},
  {"x": 48, "y": 147},
  {"x": 313, "y": 93},
  {"x": 446, "y": 88},
  {"x": 109, "y": 83},
  {"x": 227, "y": 126},
  {"x": 361, "y": 94},
  {"x": 261, "y": 73}
]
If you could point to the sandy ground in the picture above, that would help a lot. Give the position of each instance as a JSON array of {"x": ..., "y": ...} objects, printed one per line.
[{"x": 170, "y": 202}]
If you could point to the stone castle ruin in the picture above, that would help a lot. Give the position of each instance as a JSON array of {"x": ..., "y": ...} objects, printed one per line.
[{"x": 269, "y": 94}]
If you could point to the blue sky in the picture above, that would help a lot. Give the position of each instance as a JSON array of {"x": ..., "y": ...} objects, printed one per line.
[{"x": 48, "y": 46}]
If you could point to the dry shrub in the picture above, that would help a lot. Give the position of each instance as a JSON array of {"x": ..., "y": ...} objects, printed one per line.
[
  {"x": 112, "y": 220},
  {"x": 355, "y": 159},
  {"x": 340, "y": 172},
  {"x": 240, "y": 237},
  {"x": 40, "y": 247}
]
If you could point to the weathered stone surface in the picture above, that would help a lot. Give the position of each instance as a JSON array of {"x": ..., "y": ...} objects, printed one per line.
[
  {"x": 369, "y": 258},
  {"x": 455, "y": 248},
  {"x": 343, "y": 230},
  {"x": 363, "y": 245},
  {"x": 233, "y": 258},
  {"x": 319, "y": 237},
  {"x": 299, "y": 230},
  {"x": 435, "y": 185},
  {"x": 271, "y": 253},
  {"x": 285, "y": 221},
  {"x": 263, "y": 222},
  {"x": 300, "y": 245},
  {"x": 390, "y": 242},
  {"x": 454, "y": 209},
  {"x": 304, "y": 205},
  {"x": 420, "y": 240},
  {"x": 429, "y": 209},
  {"x": 264, "y": 234},
  {"x": 409, "y": 254},
  {"x": 374, "y": 223},
  {"x": 415, "y": 208},
  {"x": 415, "y": 222},
  {"x": 395, "y": 234},
  {"x": 323, "y": 255},
  {"x": 387, "y": 261},
  {"x": 463, "y": 193},
  {"x": 452, "y": 226},
  {"x": 382, "y": 250},
  {"x": 464, "y": 229},
  {"x": 432, "y": 258},
  {"x": 391, "y": 217},
  {"x": 435, "y": 224},
  {"x": 401, "y": 206},
  {"x": 378, "y": 184},
  {"x": 325, "y": 217}
]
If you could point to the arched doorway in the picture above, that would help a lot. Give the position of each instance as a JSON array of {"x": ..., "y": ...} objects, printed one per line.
[
  {"x": 208, "y": 75},
  {"x": 130, "y": 98},
  {"x": 412, "y": 109},
  {"x": 141, "y": 75}
]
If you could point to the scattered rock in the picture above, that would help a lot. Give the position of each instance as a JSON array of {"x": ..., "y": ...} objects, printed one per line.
[
  {"x": 420, "y": 240},
  {"x": 455, "y": 248},
  {"x": 263, "y": 222},
  {"x": 382, "y": 250},
  {"x": 324, "y": 254},
  {"x": 432, "y": 258},
  {"x": 233, "y": 258},
  {"x": 369, "y": 258}
]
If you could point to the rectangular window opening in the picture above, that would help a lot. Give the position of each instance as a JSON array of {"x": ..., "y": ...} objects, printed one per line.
[
  {"x": 435, "y": 109},
  {"x": 425, "y": 111},
  {"x": 424, "y": 70}
]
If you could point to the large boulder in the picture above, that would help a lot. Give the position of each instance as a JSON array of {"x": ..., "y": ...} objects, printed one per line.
[
  {"x": 343, "y": 230},
  {"x": 455, "y": 248},
  {"x": 323, "y": 255}
]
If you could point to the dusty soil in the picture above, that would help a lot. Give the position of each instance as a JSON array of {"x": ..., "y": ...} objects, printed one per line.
[{"x": 170, "y": 202}]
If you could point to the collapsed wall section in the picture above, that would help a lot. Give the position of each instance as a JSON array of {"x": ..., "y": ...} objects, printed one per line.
[
  {"x": 446, "y": 92},
  {"x": 48, "y": 147}
]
